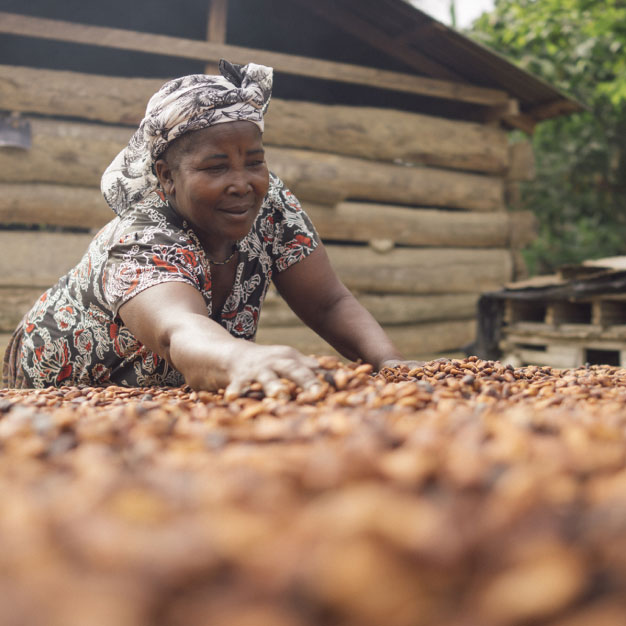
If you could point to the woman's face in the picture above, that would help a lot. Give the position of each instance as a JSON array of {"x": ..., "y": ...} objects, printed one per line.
[{"x": 217, "y": 179}]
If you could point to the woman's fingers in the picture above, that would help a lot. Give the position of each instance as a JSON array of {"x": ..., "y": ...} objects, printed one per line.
[
  {"x": 271, "y": 383},
  {"x": 303, "y": 376},
  {"x": 271, "y": 372},
  {"x": 235, "y": 389}
]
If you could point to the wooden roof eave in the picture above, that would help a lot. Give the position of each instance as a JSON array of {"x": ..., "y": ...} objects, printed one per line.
[{"x": 451, "y": 53}]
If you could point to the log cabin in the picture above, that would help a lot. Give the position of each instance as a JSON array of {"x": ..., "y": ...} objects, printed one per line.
[{"x": 391, "y": 128}]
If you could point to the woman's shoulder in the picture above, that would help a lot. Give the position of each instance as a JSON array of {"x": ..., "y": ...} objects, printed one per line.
[
  {"x": 153, "y": 217},
  {"x": 279, "y": 197}
]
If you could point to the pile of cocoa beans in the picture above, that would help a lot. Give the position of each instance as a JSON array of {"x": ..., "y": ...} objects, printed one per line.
[{"x": 457, "y": 493}]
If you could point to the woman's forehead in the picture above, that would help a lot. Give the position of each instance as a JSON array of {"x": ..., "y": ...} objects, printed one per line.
[
  {"x": 217, "y": 139},
  {"x": 240, "y": 132}
]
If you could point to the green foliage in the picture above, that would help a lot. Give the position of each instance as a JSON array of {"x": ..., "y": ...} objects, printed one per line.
[{"x": 579, "y": 194}]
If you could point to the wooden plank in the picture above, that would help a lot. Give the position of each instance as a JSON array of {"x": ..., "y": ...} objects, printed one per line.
[
  {"x": 421, "y": 271},
  {"x": 122, "y": 39},
  {"x": 521, "y": 121},
  {"x": 413, "y": 340},
  {"x": 389, "y": 309},
  {"x": 549, "y": 331},
  {"x": 75, "y": 153},
  {"x": 358, "y": 221},
  {"x": 589, "y": 335},
  {"x": 553, "y": 109},
  {"x": 561, "y": 357},
  {"x": 14, "y": 303},
  {"x": 369, "y": 133},
  {"x": 38, "y": 259},
  {"x": 562, "y": 352},
  {"x": 54, "y": 205}
]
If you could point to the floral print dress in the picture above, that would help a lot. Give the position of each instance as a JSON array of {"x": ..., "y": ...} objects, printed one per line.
[{"x": 73, "y": 335}]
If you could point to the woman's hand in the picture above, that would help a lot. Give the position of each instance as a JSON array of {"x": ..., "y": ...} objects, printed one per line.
[{"x": 267, "y": 365}]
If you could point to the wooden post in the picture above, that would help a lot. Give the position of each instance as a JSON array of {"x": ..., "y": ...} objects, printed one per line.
[{"x": 216, "y": 26}]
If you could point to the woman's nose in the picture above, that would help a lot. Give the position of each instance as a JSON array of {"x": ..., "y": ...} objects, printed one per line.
[{"x": 238, "y": 182}]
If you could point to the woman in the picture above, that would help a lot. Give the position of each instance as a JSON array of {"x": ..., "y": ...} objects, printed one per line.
[{"x": 170, "y": 290}]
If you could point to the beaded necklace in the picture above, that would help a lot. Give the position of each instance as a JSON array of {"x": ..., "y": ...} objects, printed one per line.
[{"x": 225, "y": 261}]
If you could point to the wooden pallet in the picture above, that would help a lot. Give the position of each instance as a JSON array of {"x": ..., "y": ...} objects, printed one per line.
[{"x": 565, "y": 334}]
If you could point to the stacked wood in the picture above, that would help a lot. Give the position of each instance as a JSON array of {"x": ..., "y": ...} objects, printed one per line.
[
  {"x": 459, "y": 492},
  {"x": 352, "y": 131},
  {"x": 409, "y": 206},
  {"x": 73, "y": 153}
]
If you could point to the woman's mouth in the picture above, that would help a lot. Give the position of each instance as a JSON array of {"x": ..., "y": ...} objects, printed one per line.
[{"x": 235, "y": 209}]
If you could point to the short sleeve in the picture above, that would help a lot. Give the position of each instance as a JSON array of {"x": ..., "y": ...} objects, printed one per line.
[
  {"x": 296, "y": 236},
  {"x": 139, "y": 260}
]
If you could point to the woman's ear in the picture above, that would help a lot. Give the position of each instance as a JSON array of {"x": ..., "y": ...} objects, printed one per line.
[{"x": 164, "y": 174}]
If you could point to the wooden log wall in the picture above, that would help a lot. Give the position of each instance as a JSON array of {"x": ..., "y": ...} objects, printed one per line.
[{"x": 412, "y": 208}]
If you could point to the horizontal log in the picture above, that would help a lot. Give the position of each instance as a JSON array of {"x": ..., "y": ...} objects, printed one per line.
[
  {"x": 421, "y": 271},
  {"x": 38, "y": 259},
  {"x": 4, "y": 342},
  {"x": 369, "y": 133},
  {"x": 387, "y": 135},
  {"x": 65, "y": 205},
  {"x": 77, "y": 153},
  {"x": 122, "y": 39},
  {"x": 357, "y": 221},
  {"x": 388, "y": 309},
  {"x": 413, "y": 340},
  {"x": 421, "y": 342},
  {"x": 54, "y": 205},
  {"x": 329, "y": 178},
  {"x": 14, "y": 303},
  {"x": 69, "y": 153},
  {"x": 75, "y": 94}
]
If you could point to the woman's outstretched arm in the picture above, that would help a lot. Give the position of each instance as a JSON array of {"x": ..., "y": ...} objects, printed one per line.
[
  {"x": 317, "y": 295},
  {"x": 171, "y": 319}
]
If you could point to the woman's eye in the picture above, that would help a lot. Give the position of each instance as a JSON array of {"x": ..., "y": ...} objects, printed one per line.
[
  {"x": 215, "y": 168},
  {"x": 256, "y": 163}
]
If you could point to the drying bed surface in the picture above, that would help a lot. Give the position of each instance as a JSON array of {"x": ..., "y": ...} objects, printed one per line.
[{"x": 457, "y": 493}]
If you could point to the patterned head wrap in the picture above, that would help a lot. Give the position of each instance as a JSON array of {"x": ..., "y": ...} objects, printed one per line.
[{"x": 183, "y": 105}]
